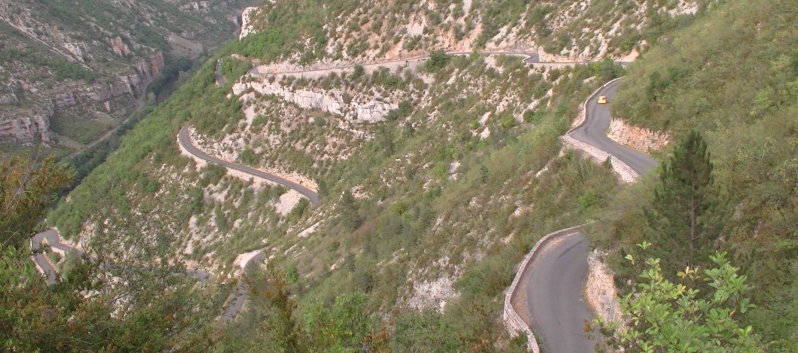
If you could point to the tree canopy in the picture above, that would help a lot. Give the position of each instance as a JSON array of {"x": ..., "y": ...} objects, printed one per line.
[{"x": 663, "y": 316}]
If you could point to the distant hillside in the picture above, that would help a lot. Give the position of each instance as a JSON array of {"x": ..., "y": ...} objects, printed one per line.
[{"x": 72, "y": 70}]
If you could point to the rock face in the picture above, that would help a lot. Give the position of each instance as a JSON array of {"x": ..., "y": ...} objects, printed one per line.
[
  {"x": 88, "y": 59},
  {"x": 7, "y": 96},
  {"x": 30, "y": 128},
  {"x": 636, "y": 137},
  {"x": 600, "y": 289},
  {"x": 330, "y": 101},
  {"x": 119, "y": 47},
  {"x": 246, "y": 21},
  {"x": 23, "y": 126}
]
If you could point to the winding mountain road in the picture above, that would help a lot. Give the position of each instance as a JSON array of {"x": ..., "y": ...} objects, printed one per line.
[
  {"x": 238, "y": 296},
  {"x": 549, "y": 296},
  {"x": 556, "y": 310},
  {"x": 52, "y": 239},
  {"x": 594, "y": 132},
  {"x": 185, "y": 141}
]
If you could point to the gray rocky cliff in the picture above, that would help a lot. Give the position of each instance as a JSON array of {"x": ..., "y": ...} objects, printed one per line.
[
  {"x": 30, "y": 128},
  {"x": 30, "y": 124}
]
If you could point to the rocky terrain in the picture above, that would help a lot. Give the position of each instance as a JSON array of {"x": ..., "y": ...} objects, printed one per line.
[
  {"x": 435, "y": 176},
  {"x": 74, "y": 70}
]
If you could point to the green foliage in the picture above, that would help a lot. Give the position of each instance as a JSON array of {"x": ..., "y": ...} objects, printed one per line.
[
  {"x": 531, "y": 116},
  {"x": 169, "y": 73},
  {"x": 357, "y": 72},
  {"x": 248, "y": 157},
  {"x": 61, "y": 68},
  {"x": 508, "y": 121},
  {"x": 665, "y": 317},
  {"x": 735, "y": 84},
  {"x": 383, "y": 239},
  {"x": 213, "y": 174},
  {"x": 794, "y": 62},
  {"x": 404, "y": 110},
  {"x": 147, "y": 184},
  {"x": 298, "y": 211},
  {"x": 78, "y": 129},
  {"x": 437, "y": 61},
  {"x": 679, "y": 213},
  {"x": 26, "y": 190},
  {"x": 60, "y": 317},
  {"x": 197, "y": 200},
  {"x": 350, "y": 218},
  {"x": 426, "y": 331}
]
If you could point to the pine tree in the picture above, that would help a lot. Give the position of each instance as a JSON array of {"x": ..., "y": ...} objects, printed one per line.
[
  {"x": 684, "y": 196},
  {"x": 350, "y": 218}
]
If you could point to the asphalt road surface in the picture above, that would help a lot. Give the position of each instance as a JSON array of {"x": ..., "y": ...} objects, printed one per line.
[
  {"x": 553, "y": 295},
  {"x": 219, "y": 77},
  {"x": 552, "y": 287},
  {"x": 185, "y": 141},
  {"x": 55, "y": 243},
  {"x": 239, "y": 293},
  {"x": 594, "y": 132}
]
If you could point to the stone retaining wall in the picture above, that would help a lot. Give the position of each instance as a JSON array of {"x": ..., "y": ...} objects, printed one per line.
[
  {"x": 624, "y": 171},
  {"x": 512, "y": 321}
]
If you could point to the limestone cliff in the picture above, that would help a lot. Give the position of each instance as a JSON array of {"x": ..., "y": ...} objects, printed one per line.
[
  {"x": 66, "y": 58},
  {"x": 26, "y": 124},
  {"x": 360, "y": 109},
  {"x": 636, "y": 137}
]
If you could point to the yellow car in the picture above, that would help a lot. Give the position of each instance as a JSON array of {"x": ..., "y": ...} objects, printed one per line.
[{"x": 602, "y": 100}]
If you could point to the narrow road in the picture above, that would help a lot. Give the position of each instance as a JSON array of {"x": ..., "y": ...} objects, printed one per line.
[
  {"x": 55, "y": 243},
  {"x": 50, "y": 273},
  {"x": 185, "y": 141},
  {"x": 220, "y": 81},
  {"x": 240, "y": 292},
  {"x": 531, "y": 58},
  {"x": 550, "y": 297},
  {"x": 594, "y": 132}
]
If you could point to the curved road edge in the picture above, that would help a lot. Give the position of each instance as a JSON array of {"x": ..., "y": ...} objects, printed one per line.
[
  {"x": 234, "y": 302},
  {"x": 184, "y": 139},
  {"x": 581, "y": 136},
  {"x": 624, "y": 171},
  {"x": 513, "y": 322}
]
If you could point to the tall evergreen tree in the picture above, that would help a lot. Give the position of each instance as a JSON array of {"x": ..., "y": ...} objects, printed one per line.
[
  {"x": 683, "y": 198},
  {"x": 350, "y": 218}
]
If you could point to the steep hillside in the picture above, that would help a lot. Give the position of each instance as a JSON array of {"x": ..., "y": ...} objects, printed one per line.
[
  {"x": 73, "y": 70},
  {"x": 557, "y": 30},
  {"x": 436, "y": 176},
  {"x": 733, "y": 76}
]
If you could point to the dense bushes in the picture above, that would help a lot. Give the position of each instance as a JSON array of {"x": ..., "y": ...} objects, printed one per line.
[{"x": 735, "y": 84}]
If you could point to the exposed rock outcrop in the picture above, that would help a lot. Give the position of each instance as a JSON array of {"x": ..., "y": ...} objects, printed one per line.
[
  {"x": 24, "y": 127},
  {"x": 119, "y": 47},
  {"x": 636, "y": 137},
  {"x": 246, "y": 22},
  {"x": 30, "y": 128},
  {"x": 600, "y": 290},
  {"x": 330, "y": 101},
  {"x": 7, "y": 96}
]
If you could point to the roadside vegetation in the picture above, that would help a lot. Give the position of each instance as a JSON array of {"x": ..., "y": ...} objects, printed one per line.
[
  {"x": 731, "y": 76},
  {"x": 426, "y": 211}
]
